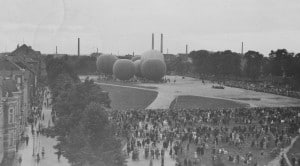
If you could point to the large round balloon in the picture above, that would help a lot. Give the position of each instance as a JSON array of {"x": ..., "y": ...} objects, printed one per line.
[
  {"x": 152, "y": 54},
  {"x": 153, "y": 69},
  {"x": 137, "y": 65},
  {"x": 105, "y": 63},
  {"x": 124, "y": 69},
  {"x": 137, "y": 57}
]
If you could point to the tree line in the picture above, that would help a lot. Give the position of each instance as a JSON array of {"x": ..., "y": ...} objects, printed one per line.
[
  {"x": 252, "y": 65},
  {"x": 84, "y": 133}
]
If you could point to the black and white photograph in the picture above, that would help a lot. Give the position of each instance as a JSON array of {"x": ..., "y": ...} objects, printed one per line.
[{"x": 150, "y": 83}]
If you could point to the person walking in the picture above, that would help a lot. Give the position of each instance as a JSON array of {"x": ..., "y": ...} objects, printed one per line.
[
  {"x": 43, "y": 152},
  {"x": 38, "y": 158},
  {"x": 27, "y": 140},
  {"x": 58, "y": 155},
  {"x": 20, "y": 160}
]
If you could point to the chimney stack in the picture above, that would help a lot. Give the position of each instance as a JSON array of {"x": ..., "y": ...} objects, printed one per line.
[
  {"x": 78, "y": 46},
  {"x": 152, "y": 41},
  {"x": 186, "y": 49},
  {"x": 242, "y": 48},
  {"x": 56, "y": 50},
  {"x": 161, "y": 43}
]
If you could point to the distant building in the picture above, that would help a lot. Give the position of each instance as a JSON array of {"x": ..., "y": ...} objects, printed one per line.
[
  {"x": 31, "y": 58},
  {"x": 12, "y": 127},
  {"x": 19, "y": 75}
]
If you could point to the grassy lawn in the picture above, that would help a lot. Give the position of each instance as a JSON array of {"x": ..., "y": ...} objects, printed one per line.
[
  {"x": 129, "y": 98},
  {"x": 189, "y": 102}
]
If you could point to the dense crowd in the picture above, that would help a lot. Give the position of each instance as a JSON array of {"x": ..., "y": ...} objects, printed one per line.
[
  {"x": 259, "y": 86},
  {"x": 192, "y": 136},
  {"x": 264, "y": 87}
]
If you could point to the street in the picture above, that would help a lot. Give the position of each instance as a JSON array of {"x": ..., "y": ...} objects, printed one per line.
[{"x": 38, "y": 142}]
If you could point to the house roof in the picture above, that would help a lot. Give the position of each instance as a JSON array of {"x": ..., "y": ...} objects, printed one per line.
[
  {"x": 8, "y": 86},
  {"x": 7, "y": 65},
  {"x": 27, "y": 51}
]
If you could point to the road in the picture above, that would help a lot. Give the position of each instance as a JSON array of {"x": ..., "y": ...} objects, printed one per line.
[{"x": 38, "y": 142}]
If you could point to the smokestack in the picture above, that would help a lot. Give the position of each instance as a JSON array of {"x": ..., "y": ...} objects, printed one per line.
[
  {"x": 186, "y": 49},
  {"x": 242, "y": 48},
  {"x": 56, "y": 50},
  {"x": 161, "y": 43},
  {"x": 152, "y": 41},
  {"x": 78, "y": 46}
]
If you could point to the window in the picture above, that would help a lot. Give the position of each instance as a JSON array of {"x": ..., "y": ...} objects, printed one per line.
[{"x": 11, "y": 116}]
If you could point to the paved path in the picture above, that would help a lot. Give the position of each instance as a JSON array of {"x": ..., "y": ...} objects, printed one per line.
[
  {"x": 189, "y": 86},
  {"x": 276, "y": 161},
  {"x": 40, "y": 141}
]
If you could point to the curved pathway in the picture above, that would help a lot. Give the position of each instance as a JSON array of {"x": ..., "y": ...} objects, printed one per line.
[
  {"x": 276, "y": 161},
  {"x": 169, "y": 91}
]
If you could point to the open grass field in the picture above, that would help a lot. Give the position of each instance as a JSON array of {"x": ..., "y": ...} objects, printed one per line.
[
  {"x": 189, "y": 102},
  {"x": 129, "y": 98}
]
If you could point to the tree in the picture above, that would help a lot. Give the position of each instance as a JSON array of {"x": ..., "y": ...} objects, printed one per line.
[
  {"x": 92, "y": 141},
  {"x": 253, "y": 65},
  {"x": 281, "y": 62},
  {"x": 84, "y": 133}
]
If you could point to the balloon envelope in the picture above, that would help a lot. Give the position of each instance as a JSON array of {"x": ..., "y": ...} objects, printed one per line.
[
  {"x": 153, "y": 69},
  {"x": 137, "y": 66},
  {"x": 105, "y": 63},
  {"x": 124, "y": 69},
  {"x": 152, "y": 54}
]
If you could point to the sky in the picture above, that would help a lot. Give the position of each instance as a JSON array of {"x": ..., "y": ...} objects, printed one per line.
[{"x": 125, "y": 26}]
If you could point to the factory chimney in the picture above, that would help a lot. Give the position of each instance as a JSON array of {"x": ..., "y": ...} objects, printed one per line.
[
  {"x": 186, "y": 49},
  {"x": 78, "y": 47},
  {"x": 242, "y": 48},
  {"x": 152, "y": 41},
  {"x": 161, "y": 43},
  {"x": 56, "y": 50}
]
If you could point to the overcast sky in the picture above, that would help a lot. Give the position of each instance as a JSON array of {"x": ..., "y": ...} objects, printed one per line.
[{"x": 124, "y": 26}]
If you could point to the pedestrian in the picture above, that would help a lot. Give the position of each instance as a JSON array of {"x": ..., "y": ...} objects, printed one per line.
[
  {"x": 38, "y": 158},
  {"x": 151, "y": 162},
  {"x": 27, "y": 140},
  {"x": 20, "y": 160},
  {"x": 58, "y": 155},
  {"x": 43, "y": 152}
]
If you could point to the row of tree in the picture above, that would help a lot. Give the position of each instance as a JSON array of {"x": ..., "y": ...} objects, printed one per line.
[
  {"x": 251, "y": 65},
  {"x": 85, "y": 135}
]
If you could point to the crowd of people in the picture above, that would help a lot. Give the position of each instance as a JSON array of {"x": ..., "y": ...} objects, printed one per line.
[
  {"x": 241, "y": 136},
  {"x": 264, "y": 87},
  {"x": 259, "y": 86}
]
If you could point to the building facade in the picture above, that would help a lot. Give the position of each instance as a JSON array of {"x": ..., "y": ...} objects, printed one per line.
[{"x": 12, "y": 126}]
